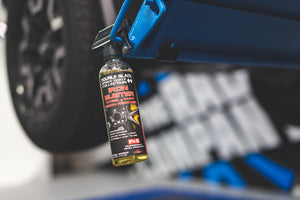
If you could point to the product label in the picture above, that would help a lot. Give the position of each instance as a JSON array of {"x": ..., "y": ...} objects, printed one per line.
[{"x": 122, "y": 114}]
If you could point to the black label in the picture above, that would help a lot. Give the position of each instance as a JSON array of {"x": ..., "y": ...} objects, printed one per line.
[{"x": 122, "y": 114}]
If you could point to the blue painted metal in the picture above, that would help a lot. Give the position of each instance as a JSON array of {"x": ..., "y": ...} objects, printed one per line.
[
  {"x": 185, "y": 176},
  {"x": 118, "y": 22},
  {"x": 160, "y": 76},
  {"x": 277, "y": 174},
  {"x": 223, "y": 172},
  {"x": 144, "y": 88},
  {"x": 148, "y": 17},
  {"x": 172, "y": 193},
  {"x": 251, "y": 32}
]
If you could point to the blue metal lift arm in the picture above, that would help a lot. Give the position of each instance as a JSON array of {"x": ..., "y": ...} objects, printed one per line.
[{"x": 250, "y": 32}]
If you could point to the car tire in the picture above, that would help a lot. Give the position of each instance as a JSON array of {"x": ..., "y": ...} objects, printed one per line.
[{"x": 60, "y": 111}]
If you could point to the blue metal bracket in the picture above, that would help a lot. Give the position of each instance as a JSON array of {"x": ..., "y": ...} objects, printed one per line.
[
  {"x": 148, "y": 17},
  {"x": 118, "y": 22}
]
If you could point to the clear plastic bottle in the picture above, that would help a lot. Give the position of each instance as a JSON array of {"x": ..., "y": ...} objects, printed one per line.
[{"x": 121, "y": 109}]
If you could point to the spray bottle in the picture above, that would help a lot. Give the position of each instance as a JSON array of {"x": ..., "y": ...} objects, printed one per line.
[{"x": 121, "y": 108}]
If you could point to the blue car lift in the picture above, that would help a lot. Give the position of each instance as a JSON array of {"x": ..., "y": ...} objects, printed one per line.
[{"x": 247, "y": 32}]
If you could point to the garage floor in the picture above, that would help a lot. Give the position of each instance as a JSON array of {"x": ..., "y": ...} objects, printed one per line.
[{"x": 117, "y": 186}]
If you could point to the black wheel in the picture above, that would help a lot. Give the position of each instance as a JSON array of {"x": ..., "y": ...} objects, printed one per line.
[{"x": 53, "y": 74}]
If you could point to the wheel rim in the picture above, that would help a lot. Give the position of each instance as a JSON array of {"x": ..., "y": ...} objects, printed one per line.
[{"x": 41, "y": 56}]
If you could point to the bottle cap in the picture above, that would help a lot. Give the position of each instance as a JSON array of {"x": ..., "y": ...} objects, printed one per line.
[{"x": 112, "y": 50}]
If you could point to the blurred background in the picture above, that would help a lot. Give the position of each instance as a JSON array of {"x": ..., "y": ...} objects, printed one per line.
[{"x": 213, "y": 131}]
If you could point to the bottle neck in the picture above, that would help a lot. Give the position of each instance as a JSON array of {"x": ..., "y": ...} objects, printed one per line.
[
  {"x": 111, "y": 51},
  {"x": 114, "y": 59}
]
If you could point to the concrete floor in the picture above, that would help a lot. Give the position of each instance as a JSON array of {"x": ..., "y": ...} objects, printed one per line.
[
  {"x": 114, "y": 185},
  {"x": 21, "y": 162}
]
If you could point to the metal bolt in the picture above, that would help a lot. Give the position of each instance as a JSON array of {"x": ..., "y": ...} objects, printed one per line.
[{"x": 126, "y": 50}]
